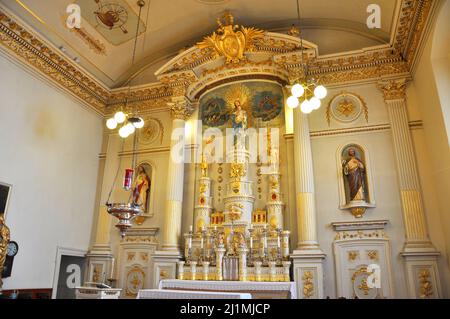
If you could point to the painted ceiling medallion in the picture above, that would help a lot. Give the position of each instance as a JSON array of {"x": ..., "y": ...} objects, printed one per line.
[
  {"x": 346, "y": 108},
  {"x": 113, "y": 19},
  {"x": 230, "y": 40}
]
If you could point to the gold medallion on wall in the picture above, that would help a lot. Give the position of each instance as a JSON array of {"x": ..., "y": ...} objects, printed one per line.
[
  {"x": 135, "y": 281},
  {"x": 346, "y": 107},
  {"x": 152, "y": 132}
]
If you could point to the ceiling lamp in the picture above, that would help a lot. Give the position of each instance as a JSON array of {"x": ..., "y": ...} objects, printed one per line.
[
  {"x": 307, "y": 93},
  {"x": 126, "y": 212},
  {"x": 130, "y": 122}
]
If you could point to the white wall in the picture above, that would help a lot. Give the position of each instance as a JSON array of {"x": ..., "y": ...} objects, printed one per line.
[
  {"x": 49, "y": 147},
  {"x": 429, "y": 90}
]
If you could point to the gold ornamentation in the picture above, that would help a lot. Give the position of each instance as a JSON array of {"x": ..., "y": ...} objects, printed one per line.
[
  {"x": 135, "y": 281},
  {"x": 359, "y": 234},
  {"x": 130, "y": 256},
  {"x": 346, "y": 107},
  {"x": 144, "y": 256},
  {"x": 95, "y": 45},
  {"x": 363, "y": 286},
  {"x": 230, "y": 40},
  {"x": 96, "y": 273},
  {"x": 372, "y": 254},
  {"x": 4, "y": 241},
  {"x": 153, "y": 128},
  {"x": 308, "y": 284},
  {"x": 426, "y": 288},
  {"x": 358, "y": 212},
  {"x": 352, "y": 255},
  {"x": 204, "y": 168},
  {"x": 181, "y": 110},
  {"x": 393, "y": 89},
  {"x": 31, "y": 50},
  {"x": 141, "y": 239},
  {"x": 237, "y": 170}
]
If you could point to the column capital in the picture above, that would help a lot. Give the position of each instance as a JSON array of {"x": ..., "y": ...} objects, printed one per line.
[
  {"x": 181, "y": 108},
  {"x": 393, "y": 89}
]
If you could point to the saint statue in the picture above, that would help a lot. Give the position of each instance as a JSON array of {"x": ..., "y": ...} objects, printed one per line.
[
  {"x": 239, "y": 116},
  {"x": 141, "y": 188},
  {"x": 354, "y": 170},
  {"x": 239, "y": 123},
  {"x": 4, "y": 241}
]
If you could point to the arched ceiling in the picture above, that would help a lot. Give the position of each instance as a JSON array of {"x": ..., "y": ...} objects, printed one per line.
[{"x": 335, "y": 26}]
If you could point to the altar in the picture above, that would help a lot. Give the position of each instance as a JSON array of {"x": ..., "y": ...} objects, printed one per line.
[{"x": 258, "y": 290}]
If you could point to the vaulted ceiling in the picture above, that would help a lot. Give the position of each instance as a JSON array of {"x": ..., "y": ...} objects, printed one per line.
[{"x": 172, "y": 25}]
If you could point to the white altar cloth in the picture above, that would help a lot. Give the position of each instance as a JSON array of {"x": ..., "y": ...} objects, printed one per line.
[
  {"x": 261, "y": 289},
  {"x": 186, "y": 294}
]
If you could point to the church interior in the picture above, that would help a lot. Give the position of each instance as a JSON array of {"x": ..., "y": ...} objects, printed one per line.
[{"x": 290, "y": 149}]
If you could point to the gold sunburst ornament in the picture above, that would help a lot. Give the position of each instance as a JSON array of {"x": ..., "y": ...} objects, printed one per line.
[{"x": 230, "y": 40}]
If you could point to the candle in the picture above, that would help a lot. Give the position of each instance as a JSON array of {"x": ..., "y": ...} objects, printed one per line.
[
  {"x": 190, "y": 242},
  {"x": 190, "y": 228},
  {"x": 251, "y": 242}
]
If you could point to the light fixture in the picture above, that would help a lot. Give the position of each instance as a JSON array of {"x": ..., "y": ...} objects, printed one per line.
[
  {"x": 292, "y": 102},
  {"x": 306, "y": 92},
  {"x": 130, "y": 121},
  {"x": 111, "y": 123},
  {"x": 120, "y": 117},
  {"x": 126, "y": 212}
]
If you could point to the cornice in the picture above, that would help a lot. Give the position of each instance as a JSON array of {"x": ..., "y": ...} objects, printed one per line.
[
  {"x": 31, "y": 50},
  {"x": 282, "y": 62}
]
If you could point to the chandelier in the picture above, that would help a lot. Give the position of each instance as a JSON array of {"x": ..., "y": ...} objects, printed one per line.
[
  {"x": 128, "y": 122},
  {"x": 306, "y": 92},
  {"x": 126, "y": 212}
]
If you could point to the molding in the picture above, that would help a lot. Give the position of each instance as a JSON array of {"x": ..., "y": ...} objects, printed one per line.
[
  {"x": 379, "y": 62},
  {"x": 360, "y": 225},
  {"x": 33, "y": 51},
  {"x": 360, "y": 129}
]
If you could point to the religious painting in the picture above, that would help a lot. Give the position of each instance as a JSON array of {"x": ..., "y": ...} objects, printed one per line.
[
  {"x": 215, "y": 112},
  {"x": 242, "y": 105},
  {"x": 141, "y": 186},
  {"x": 115, "y": 20},
  {"x": 354, "y": 174},
  {"x": 5, "y": 192}
]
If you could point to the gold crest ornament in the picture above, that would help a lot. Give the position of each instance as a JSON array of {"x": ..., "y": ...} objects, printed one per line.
[{"x": 230, "y": 40}]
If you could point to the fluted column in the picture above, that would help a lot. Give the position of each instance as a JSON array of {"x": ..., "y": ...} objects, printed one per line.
[
  {"x": 419, "y": 253},
  {"x": 308, "y": 256},
  {"x": 408, "y": 177},
  {"x": 180, "y": 110},
  {"x": 304, "y": 184}
]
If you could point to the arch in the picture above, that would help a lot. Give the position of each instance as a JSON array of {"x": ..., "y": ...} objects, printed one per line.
[
  {"x": 440, "y": 62},
  {"x": 150, "y": 209},
  {"x": 343, "y": 202}
]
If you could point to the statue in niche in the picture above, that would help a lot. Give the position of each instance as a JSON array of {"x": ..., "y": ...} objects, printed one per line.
[
  {"x": 355, "y": 174},
  {"x": 141, "y": 188}
]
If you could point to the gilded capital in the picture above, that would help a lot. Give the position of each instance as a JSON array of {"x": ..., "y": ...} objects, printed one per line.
[
  {"x": 181, "y": 109},
  {"x": 393, "y": 89}
]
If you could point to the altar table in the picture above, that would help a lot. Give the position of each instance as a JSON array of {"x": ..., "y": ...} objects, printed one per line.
[
  {"x": 186, "y": 294},
  {"x": 258, "y": 290}
]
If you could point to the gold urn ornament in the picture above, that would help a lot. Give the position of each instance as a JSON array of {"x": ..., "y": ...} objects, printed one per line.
[{"x": 230, "y": 40}]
